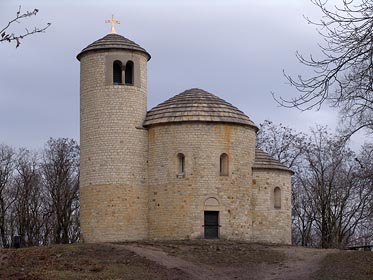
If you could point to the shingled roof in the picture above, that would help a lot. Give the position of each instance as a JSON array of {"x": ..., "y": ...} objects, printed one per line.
[
  {"x": 113, "y": 41},
  {"x": 265, "y": 161},
  {"x": 196, "y": 105}
]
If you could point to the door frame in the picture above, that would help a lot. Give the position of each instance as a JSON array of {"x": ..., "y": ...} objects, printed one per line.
[{"x": 217, "y": 225}]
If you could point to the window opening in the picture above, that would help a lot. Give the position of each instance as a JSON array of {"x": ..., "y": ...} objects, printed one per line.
[
  {"x": 277, "y": 198},
  {"x": 117, "y": 72},
  {"x": 129, "y": 73},
  {"x": 181, "y": 163},
  {"x": 224, "y": 170}
]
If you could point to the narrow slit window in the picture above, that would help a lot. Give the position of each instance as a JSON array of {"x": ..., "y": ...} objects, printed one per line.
[
  {"x": 224, "y": 167},
  {"x": 277, "y": 198},
  {"x": 181, "y": 163},
  {"x": 117, "y": 72},
  {"x": 129, "y": 73}
]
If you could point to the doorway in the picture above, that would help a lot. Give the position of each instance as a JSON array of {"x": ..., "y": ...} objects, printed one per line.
[{"x": 211, "y": 224}]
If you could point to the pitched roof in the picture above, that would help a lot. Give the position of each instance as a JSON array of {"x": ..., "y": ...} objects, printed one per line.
[
  {"x": 196, "y": 105},
  {"x": 113, "y": 41},
  {"x": 265, "y": 161}
]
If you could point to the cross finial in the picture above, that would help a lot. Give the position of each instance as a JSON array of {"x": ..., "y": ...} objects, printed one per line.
[{"x": 113, "y": 22}]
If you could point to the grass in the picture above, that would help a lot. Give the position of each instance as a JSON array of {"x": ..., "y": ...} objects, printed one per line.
[
  {"x": 113, "y": 261},
  {"x": 346, "y": 265},
  {"x": 81, "y": 261},
  {"x": 221, "y": 253}
]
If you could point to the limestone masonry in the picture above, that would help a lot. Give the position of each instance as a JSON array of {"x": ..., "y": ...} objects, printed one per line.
[{"x": 186, "y": 169}]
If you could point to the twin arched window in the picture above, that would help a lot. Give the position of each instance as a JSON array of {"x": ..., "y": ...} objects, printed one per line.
[{"x": 118, "y": 73}]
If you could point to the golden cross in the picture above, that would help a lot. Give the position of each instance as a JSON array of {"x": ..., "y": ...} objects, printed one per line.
[{"x": 113, "y": 22}]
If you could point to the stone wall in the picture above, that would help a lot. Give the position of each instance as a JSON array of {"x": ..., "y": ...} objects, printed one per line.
[
  {"x": 130, "y": 184},
  {"x": 113, "y": 149},
  {"x": 112, "y": 213},
  {"x": 271, "y": 224},
  {"x": 177, "y": 201}
]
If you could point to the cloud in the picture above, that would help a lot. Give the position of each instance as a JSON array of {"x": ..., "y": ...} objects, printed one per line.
[{"x": 235, "y": 49}]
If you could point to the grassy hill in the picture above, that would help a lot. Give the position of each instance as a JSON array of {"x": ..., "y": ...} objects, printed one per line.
[{"x": 183, "y": 260}]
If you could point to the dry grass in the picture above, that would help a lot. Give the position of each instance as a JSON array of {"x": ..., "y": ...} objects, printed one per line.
[
  {"x": 220, "y": 253},
  {"x": 346, "y": 265},
  {"x": 113, "y": 261},
  {"x": 82, "y": 261}
]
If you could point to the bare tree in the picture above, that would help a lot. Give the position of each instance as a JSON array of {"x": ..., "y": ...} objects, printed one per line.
[
  {"x": 6, "y": 36},
  {"x": 60, "y": 171},
  {"x": 334, "y": 189},
  {"x": 331, "y": 189},
  {"x": 7, "y": 160},
  {"x": 280, "y": 142},
  {"x": 364, "y": 230},
  {"x": 343, "y": 75},
  {"x": 29, "y": 205}
]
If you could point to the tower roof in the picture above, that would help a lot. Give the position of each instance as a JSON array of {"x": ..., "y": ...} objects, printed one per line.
[
  {"x": 265, "y": 161},
  {"x": 113, "y": 41},
  {"x": 196, "y": 105}
]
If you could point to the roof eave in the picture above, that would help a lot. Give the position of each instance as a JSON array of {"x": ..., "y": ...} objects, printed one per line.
[
  {"x": 84, "y": 51},
  {"x": 274, "y": 168},
  {"x": 151, "y": 124}
]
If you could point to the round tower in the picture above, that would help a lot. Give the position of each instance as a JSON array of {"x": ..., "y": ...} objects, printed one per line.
[
  {"x": 200, "y": 176},
  {"x": 113, "y": 142}
]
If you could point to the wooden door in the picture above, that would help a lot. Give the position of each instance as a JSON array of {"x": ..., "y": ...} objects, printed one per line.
[{"x": 211, "y": 224}]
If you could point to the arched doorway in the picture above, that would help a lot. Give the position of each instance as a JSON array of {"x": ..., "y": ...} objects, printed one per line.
[{"x": 211, "y": 218}]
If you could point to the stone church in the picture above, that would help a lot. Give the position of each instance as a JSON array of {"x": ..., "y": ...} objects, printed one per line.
[{"x": 186, "y": 169}]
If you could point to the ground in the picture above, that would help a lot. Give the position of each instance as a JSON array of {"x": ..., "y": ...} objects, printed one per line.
[{"x": 190, "y": 260}]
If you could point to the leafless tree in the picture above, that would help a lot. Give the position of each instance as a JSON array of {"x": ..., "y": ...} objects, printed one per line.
[
  {"x": 331, "y": 192},
  {"x": 60, "y": 171},
  {"x": 7, "y": 161},
  {"x": 364, "y": 231},
  {"x": 6, "y": 36},
  {"x": 280, "y": 142},
  {"x": 343, "y": 75},
  {"x": 29, "y": 205}
]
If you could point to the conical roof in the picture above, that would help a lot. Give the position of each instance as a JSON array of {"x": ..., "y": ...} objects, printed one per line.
[
  {"x": 196, "y": 105},
  {"x": 265, "y": 161},
  {"x": 113, "y": 41}
]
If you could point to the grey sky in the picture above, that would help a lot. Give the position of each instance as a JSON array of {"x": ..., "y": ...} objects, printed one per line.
[{"x": 234, "y": 49}]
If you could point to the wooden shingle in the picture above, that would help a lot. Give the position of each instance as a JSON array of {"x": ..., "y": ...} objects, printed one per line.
[{"x": 196, "y": 105}]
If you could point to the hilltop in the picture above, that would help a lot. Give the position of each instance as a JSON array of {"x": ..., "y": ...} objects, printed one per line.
[{"x": 188, "y": 260}]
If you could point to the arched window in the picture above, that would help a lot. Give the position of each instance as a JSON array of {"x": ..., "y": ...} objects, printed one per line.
[
  {"x": 224, "y": 167},
  {"x": 181, "y": 163},
  {"x": 129, "y": 73},
  {"x": 277, "y": 198},
  {"x": 117, "y": 72}
]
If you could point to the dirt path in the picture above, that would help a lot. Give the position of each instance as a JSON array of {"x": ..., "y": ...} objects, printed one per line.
[
  {"x": 300, "y": 263},
  {"x": 197, "y": 272}
]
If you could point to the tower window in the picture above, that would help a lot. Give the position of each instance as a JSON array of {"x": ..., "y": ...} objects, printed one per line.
[
  {"x": 277, "y": 198},
  {"x": 181, "y": 163},
  {"x": 117, "y": 72},
  {"x": 129, "y": 73},
  {"x": 224, "y": 167}
]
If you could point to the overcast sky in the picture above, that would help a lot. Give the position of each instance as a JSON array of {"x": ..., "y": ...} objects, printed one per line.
[{"x": 235, "y": 49}]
